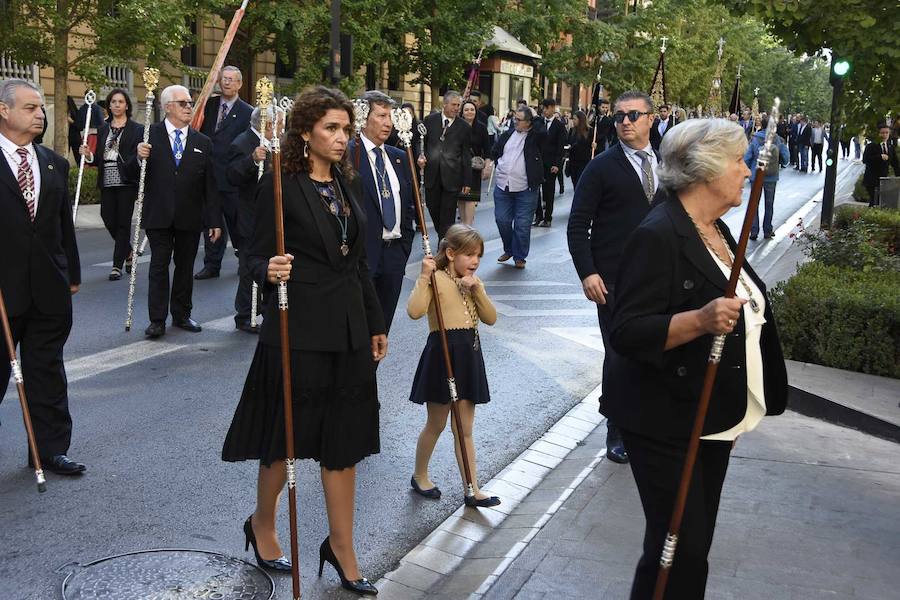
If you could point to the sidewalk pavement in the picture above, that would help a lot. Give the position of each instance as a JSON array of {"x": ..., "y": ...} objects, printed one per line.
[{"x": 88, "y": 217}]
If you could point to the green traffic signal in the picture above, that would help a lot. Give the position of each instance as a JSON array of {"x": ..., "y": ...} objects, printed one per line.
[{"x": 841, "y": 68}]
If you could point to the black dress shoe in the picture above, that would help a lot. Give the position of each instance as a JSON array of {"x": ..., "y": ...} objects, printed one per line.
[
  {"x": 753, "y": 237},
  {"x": 279, "y": 564},
  {"x": 206, "y": 273},
  {"x": 155, "y": 330},
  {"x": 431, "y": 493},
  {"x": 246, "y": 326},
  {"x": 61, "y": 465},
  {"x": 188, "y": 325},
  {"x": 617, "y": 454},
  {"x": 488, "y": 502}
]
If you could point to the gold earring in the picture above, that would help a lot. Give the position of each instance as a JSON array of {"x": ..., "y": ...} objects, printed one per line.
[{"x": 305, "y": 149}]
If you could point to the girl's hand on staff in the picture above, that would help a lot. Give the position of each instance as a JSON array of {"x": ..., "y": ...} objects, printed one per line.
[
  {"x": 428, "y": 266},
  {"x": 379, "y": 347},
  {"x": 279, "y": 268},
  {"x": 85, "y": 151}
]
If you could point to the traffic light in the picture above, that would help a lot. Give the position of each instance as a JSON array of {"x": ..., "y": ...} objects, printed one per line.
[{"x": 839, "y": 70}]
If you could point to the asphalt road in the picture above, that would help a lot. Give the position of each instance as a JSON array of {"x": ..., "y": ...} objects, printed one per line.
[{"x": 150, "y": 417}]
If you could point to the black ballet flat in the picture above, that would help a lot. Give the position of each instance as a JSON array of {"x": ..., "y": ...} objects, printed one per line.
[
  {"x": 431, "y": 493},
  {"x": 473, "y": 502},
  {"x": 279, "y": 564},
  {"x": 360, "y": 586}
]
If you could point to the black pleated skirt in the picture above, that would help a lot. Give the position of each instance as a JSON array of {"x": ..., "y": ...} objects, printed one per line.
[
  {"x": 335, "y": 409},
  {"x": 430, "y": 382}
]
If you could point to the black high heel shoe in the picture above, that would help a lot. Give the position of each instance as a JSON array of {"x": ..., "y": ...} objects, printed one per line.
[
  {"x": 279, "y": 564},
  {"x": 360, "y": 586}
]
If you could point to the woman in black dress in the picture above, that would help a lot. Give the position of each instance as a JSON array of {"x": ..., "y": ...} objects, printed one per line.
[
  {"x": 117, "y": 142},
  {"x": 481, "y": 148},
  {"x": 337, "y": 335},
  {"x": 580, "y": 139}
]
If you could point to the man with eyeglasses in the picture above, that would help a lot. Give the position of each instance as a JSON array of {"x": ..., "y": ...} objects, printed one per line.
[
  {"x": 224, "y": 118},
  {"x": 180, "y": 201},
  {"x": 613, "y": 196}
]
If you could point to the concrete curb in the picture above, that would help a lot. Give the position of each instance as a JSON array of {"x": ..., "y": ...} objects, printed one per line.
[
  {"x": 89, "y": 217},
  {"x": 815, "y": 406}
]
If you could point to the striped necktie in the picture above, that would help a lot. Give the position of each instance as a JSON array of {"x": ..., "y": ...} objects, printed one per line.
[
  {"x": 647, "y": 170},
  {"x": 25, "y": 177}
]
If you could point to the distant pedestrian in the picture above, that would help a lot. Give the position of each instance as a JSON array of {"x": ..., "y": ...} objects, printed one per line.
[
  {"x": 779, "y": 159},
  {"x": 877, "y": 158},
  {"x": 481, "y": 153},
  {"x": 793, "y": 130},
  {"x": 464, "y": 302},
  {"x": 580, "y": 140},
  {"x": 552, "y": 153},
  {"x": 804, "y": 139},
  {"x": 817, "y": 143}
]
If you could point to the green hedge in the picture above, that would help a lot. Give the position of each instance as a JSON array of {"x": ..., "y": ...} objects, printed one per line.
[
  {"x": 841, "y": 318},
  {"x": 89, "y": 192},
  {"x": 885, "y": 222}
]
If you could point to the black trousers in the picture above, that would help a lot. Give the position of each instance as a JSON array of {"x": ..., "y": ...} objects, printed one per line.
[
  {"x": 544, "y": 210},
  {"x": 116, "y": 210},
  {"x": 213, "y": 253},
  {"x": 41, "y": 338},
  {"x": 792, "y": 148},
  {"x": 873, "y": 189},
  {"x": 243, "y": 297},
  {"x": 817, "y": 153},
  {"x": 604, "y": 316},
  {"x": 441, "y": 205},
  {"x": 166, "y": 245},
  {"x": 576, "y": 169},
  {"x": 656, "y": 466},
  {"x": 388, "y": 278}
]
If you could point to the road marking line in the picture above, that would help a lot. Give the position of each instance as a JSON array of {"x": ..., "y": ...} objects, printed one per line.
[
  {"x": 515, "y": 297},
  {"x": 116, "y": 358},
  {"x": 586, "y": 336},
  {"x": 510, "y": 311}
]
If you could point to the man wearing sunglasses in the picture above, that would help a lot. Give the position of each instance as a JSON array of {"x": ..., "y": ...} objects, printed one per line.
[
  {"x": 613, "y": 196},
  {"x": 180, "y": 197}
]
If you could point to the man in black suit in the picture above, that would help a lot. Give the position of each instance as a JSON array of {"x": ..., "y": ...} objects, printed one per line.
[
  {"x": 225, "y": 118},
  {"x": 40, "y": 269},
  {"x": 792, "y": 139},
  {"x": 387, "y": 197},
  {"x": 180, "y": 201},
  {"x": 552, "y": 146},
  {"x": 661, "y": 126},
  {"x": 876, "y": 158},
  {"x": 247, "y": 152},
  {"x": 613, "y": 196},
  {"x": 606, "y": 128},
  {"x": 804, "y": 138},
  {"x": 447, "y": 161}
]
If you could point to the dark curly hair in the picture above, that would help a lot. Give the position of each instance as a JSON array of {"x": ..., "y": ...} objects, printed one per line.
[{"x": 310, "y": 105}]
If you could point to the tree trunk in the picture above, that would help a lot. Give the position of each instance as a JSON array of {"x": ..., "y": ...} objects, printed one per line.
[
  {"x": 61, "y": 88},
  {"x": 437, "y": 101}
]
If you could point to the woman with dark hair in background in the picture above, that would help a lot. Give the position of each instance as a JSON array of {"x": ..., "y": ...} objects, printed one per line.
[
  {"x": 580, "y": 139},
  {"x": 117, "y": 142},
  {"x": 337, "y": 335},
  {"x": 481, "y": 150}
]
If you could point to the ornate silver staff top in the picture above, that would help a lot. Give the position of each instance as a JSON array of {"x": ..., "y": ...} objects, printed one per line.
[
  {"x": 402, "y": 121},
  {"x": 360, "y": 113},
  {"x": 765, "y": 155}
]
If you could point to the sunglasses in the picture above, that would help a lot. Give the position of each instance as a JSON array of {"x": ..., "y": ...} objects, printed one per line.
[
  {"x": 182, "y": 103},
  {"x": 633, "y": 115}
]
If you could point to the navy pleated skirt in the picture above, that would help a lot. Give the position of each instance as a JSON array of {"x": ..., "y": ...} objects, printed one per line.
[
  {"x": 335, "y": 408},
  {"x": 430, "y": 383}
]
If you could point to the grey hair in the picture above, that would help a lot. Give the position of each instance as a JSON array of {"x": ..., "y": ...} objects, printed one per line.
[
  {"x": 374, "y": 97},
  {"x": 636, "y": 95},
  {"x": 450, "y": 95},
  {"x": 231, "y": 68},
  {"x": 166, "y": 95},
  {"x": 8, "y": 89},
  {"x": 698, "y": 151},
  {"x": 526, "y": 112},
  {"x": 256, "y": 115}
]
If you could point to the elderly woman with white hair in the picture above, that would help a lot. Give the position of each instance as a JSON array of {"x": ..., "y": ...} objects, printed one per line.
[{"x": 670, "y": 305}]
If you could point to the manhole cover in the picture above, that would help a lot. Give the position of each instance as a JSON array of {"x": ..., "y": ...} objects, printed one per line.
[{"x": 167, "y": 574}]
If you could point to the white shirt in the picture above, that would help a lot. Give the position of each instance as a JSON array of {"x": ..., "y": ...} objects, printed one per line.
[
  {"x": 635, "y": 160},
  {"x": 170, "y": 129},
  {"x": 753, "y": 324},
  {"x": 663, "y": 125},
  {"x": 511, "y": 172},
  {"x": 10, "y": 151},
  {"x": 371, "y": 150}
]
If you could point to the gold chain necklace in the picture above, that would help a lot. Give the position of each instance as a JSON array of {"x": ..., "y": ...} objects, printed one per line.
[
  {"x": 754, "y": 305},
  {"x": 469, "y": 305}
]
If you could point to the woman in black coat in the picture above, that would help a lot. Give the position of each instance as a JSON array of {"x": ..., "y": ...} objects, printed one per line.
[
  {"x": 481, "y": 152},
  {"x": 337, "y": 335},
  {"x": 580, "y": 139},
  {"x": 117, "y": 142},
  {"x": 669, "y": 306}
]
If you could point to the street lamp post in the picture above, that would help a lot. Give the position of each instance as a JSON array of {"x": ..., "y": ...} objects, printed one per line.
[{"x": 839, "y": 69}]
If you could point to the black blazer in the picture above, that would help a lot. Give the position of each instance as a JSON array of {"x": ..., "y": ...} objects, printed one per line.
[
  {"x": 236, "y": 122},
  {"x": 131, "y": 136},
  {"x": 804, "y": 137},
  {"x": 877, "y": 168},
  {"x": 606, "y": 133},
  {"x": 534, "y": 164},
  {"x": 451, "y": 159},
  {"x": 666, "y": 270},
  {"x": 364, "y": 188},
  {"x": 182, "y": 197},
  {"x": 242, "y": 173},
  {"x": 333, "y": 305},
  {"x": 655, "y": 138},
  {"x": 580, "y": 148},
  {"x": 609, "y": 204},
  {"x": 553, "y": 143},
  {"x": 40, "y": 258}
]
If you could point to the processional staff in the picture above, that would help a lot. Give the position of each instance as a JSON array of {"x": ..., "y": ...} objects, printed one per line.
[
  {"x": 263, "y": 101},
  {"x": 151, "y": 80},
  {"x": 403, "y": 123},
  {"x": 712, "y": 366},
  {"x": 89, "y": 98},
  {"x": 595, "y": 101},
  {"x": 360, "y": 116}
]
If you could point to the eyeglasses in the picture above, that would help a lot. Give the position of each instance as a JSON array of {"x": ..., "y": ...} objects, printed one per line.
[
  {"x": 633, "y": 115},
  {"x": 182, "y": 103}
]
